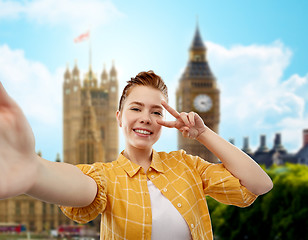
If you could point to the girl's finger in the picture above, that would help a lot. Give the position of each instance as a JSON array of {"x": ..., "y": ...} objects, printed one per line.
[
  {"x": 184, "y": 118},
  {"x": 185, "y": 134},
  {"x": 169, "y": 109},
  {"x": 191, "y": 118},
  {"x": 184, "y": 128},
  {"x": 168, "y": 124}
]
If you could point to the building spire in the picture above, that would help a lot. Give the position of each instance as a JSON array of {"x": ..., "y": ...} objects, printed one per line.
[
  {"x": 104, "y": 78},
  {"x": 246, "y": 147},
  {"x": 67, "y": 74},
  {"x": 76, "y": 70},
  {"x": 278, "y": 145},
  {"x": 198, "y": 65},
  {"x": 197, "y": 21},
  {"x": 197, "y": 43},
  {"x": 262, "y": 148},
  {"x": 113, "y": 71}
]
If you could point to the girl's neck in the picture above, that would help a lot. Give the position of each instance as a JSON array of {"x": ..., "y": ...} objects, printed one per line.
[{"x": 142, "y": 157}]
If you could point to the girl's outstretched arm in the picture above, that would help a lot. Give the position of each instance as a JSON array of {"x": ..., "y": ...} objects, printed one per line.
[{"x": 22, "y": 171}]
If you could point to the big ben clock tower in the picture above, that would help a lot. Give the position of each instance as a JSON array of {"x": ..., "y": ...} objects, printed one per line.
[{"x": 198, "y": 92}]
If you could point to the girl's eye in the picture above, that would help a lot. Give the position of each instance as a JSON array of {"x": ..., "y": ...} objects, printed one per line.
[
  {"x": 158, "y": 113},
  {"x": 135, "y": 109}
]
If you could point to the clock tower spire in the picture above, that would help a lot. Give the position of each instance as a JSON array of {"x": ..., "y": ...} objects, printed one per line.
[
  {"x": 198, "y": 92},
  {"x": 197, "y": 49}
]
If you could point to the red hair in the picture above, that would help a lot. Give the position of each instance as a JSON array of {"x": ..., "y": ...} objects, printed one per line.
[{"x": 149, "y": 79}]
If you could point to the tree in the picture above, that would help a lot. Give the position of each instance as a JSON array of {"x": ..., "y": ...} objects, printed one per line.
[{"x": 280, "y": 214}]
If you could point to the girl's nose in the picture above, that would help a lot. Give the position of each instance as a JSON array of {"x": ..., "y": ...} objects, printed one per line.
[{"x": 145, "y": 119}]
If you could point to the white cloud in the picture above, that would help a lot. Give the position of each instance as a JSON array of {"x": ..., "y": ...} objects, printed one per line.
[
  {"x": 79, "y": 14},
  {"x": 32, "y": 85},
  {"x": 254, "y": 95},
  {"x": 39, "y": 93},
  {"x": 10, "y": 9}
]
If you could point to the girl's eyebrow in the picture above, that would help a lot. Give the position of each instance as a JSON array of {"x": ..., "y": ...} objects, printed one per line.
[{"x": 142, "y": 104}]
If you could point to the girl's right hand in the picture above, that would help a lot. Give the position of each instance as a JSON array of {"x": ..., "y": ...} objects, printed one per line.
[{"x": 18, "y": 160}]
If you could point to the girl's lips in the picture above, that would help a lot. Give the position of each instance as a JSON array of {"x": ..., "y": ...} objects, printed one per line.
[{"x": 142, "y": 132}]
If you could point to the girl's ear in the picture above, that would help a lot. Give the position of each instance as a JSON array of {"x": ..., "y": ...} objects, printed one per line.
[{"x": 119, "y": 116}]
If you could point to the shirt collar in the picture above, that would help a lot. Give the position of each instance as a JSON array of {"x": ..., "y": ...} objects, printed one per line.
[
  {"x": 157, "y": 162},
  {"x": 132, "y": 168}
]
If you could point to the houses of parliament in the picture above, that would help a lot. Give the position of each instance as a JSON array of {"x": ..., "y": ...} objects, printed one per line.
[{"x": 90, "y": 131}]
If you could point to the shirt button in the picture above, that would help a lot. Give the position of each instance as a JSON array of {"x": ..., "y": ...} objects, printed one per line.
[
  {"x": 152, "y": 176},
  {"x": 179, "y": 205},
  {"x": 192, "y": 225},
  {"x": 165, "y": 189}
]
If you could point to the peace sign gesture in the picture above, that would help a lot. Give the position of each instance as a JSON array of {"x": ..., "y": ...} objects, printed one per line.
[{"x": 190, "y": 124}]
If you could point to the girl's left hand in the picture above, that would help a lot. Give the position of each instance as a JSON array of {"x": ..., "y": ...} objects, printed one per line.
[{"x": 190, "y": 124}]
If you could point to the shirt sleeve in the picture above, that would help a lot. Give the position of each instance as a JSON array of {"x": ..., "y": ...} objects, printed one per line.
[
  {"x": 88, "y": 213},
  {"x": 221, "y": 185}
]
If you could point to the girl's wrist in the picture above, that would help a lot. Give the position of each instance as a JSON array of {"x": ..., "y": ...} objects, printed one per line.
[{"x": 202, "y": 133}]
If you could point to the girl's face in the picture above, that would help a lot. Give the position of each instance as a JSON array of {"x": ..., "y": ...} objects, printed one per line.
[{"x": 138, "y": 116}]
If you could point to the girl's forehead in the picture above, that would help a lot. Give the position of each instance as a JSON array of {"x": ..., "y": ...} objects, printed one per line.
[{"x": 145, "y": 93}]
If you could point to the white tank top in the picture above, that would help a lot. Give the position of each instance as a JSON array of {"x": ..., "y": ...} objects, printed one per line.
[{"x": 167, "y": 222}]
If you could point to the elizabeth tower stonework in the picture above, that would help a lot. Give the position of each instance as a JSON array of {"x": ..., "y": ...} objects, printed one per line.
[{"x": 198, "y": 92}]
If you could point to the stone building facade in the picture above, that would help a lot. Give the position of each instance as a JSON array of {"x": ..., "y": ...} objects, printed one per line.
[{"x": 277, "y": 155}]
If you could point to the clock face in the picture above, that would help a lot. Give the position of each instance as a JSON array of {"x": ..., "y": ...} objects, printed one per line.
[{"x": 203, "y": 103}]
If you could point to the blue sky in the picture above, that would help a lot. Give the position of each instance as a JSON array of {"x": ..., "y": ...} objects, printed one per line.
[{"x": 256, "y": 49}]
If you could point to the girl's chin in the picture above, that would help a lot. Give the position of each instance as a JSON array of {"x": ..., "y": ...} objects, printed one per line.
[{"x": 142, "y": 145}]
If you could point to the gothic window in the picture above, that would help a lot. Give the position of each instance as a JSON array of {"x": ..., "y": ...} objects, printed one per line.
[
  {"x": 52, "y": 208},
  {"x": 102, "y": 133},
  {"x": 31, "y": 208},
  {"x": 44, "y": 208},
  {"x": 81, "y": 157},
  {"x": 32, "y": 226},
  {"x": 52, "y": 225},
  {"x": 90, "y": 153},
  {"x": 18, "y": 208}
]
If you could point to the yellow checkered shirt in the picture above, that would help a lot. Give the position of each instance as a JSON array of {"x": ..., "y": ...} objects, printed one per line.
[{"x": 123, "y": 197}]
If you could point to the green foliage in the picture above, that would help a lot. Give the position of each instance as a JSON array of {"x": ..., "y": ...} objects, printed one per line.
[{"x": 281, "y": 214}]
